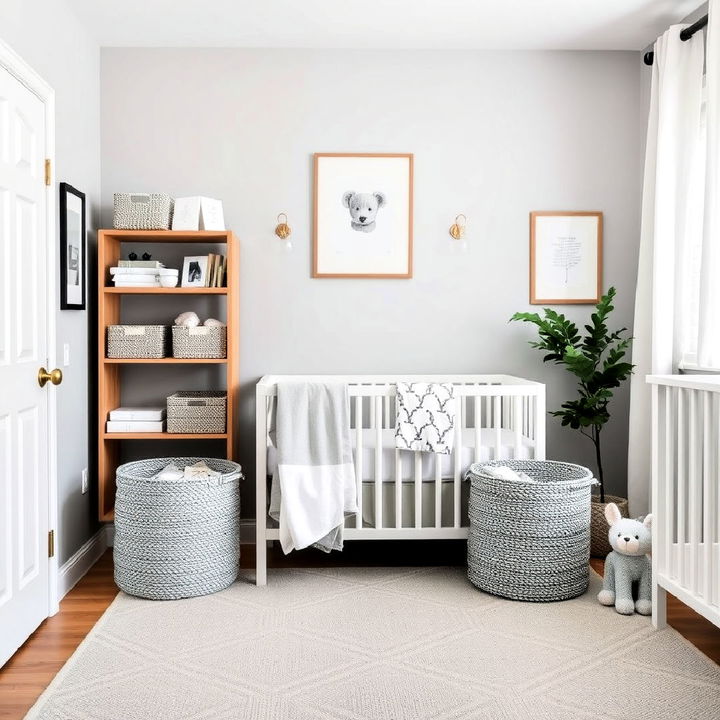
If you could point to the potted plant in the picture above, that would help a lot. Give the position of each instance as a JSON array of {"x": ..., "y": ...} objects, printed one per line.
[{"x": 597, "y": 359}]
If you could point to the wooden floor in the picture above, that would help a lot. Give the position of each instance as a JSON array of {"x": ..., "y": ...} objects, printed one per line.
[{"x": 30, "y": 671}]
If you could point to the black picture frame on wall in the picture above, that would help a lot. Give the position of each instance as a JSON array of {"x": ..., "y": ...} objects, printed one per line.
[{"x": 72, "y": 248}]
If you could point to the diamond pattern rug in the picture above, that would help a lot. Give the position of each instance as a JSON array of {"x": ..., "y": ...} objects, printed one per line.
[{"x": 378, "y": 644}]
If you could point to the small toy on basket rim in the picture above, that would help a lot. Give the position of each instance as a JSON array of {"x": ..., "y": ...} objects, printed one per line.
[{"x": 628, "y": 563}]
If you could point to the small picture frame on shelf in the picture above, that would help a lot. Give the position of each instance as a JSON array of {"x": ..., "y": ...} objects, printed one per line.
[
  {"x": 72, "y": 248},
  {"x": 194, "y": 273}
]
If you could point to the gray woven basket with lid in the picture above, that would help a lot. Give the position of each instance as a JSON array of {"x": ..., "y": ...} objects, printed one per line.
[
  {"x": 197, "y": 411},
  {"x": 176, "y": 539},
  {"x": 137, "y": 341},
  {"x": 530, "y": 540},
  {"x": 142, "y": 211}
]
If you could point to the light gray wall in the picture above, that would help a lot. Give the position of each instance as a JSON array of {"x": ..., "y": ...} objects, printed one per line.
[
  {"x": 495, "y": 135},
  {"x": 46, "y": 34}
]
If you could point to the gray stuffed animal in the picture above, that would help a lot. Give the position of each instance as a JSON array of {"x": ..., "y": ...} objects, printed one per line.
[{"x": 628, "y": 563}]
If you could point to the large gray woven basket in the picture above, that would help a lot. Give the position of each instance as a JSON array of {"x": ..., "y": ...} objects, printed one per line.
[
  {"x": 530, "y": 540},
  {"x": 176, "y": 539}
]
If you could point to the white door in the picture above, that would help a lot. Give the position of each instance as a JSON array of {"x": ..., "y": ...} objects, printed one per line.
[{"x": 24, "y": 564}]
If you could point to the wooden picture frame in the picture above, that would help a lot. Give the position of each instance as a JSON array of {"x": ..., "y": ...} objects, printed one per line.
[
  {"x": 73, "y": 242},
  {"x": 344, "y": 246},
  {"x": 566, "y": 255}
]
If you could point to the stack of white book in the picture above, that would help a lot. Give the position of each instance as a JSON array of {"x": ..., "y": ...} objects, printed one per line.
[
  {"x": 142, "y": 273},
  {"x": 136, "y": 420}
]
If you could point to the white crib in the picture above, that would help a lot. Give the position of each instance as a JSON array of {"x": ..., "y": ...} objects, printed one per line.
[
  {"x": 686, "y": 493},
  {"x": 407, "y": 495}
]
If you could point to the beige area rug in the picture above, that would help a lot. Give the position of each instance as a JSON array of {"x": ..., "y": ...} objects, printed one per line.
[{"x": 378, "y": 644}]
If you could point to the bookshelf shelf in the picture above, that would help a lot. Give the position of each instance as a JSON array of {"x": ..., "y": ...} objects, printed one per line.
[
  {"x": 165, "y": 291},
  {"x": 110, "y": 369},
  {"x": 164, "y": 436},
  {"x": 165, "y": 361},
  {"x": 170, "y": 236}
]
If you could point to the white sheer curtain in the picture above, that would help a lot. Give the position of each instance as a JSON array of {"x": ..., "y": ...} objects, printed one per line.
[
  {"x": 672, "y": 213},
  {"x": 708, "y": 339}
]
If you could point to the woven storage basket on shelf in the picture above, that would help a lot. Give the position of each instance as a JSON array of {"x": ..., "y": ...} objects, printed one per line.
[
  {"x": 530, "y": 540},
  {"x": 178, "y": 538},
  {"x": 142, "y": 211},
  {"x": 201, "y": 411},
  {"x": 199, "y": 342},
  {"x": 137, "y": 341}
]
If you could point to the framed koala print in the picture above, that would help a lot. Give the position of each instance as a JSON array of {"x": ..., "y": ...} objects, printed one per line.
[{"x": 363, "y": 215}]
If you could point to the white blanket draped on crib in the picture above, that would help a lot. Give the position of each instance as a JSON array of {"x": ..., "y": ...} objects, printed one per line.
[{"x": 313, "y": 490}]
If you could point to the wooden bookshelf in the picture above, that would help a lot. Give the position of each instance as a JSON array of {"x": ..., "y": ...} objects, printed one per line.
[{"x": 109, "y": 369}]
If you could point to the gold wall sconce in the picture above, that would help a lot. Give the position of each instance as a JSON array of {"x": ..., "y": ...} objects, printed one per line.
[
  {"x": 283, "y": 231},
  {"x": 457, "y": 229}
]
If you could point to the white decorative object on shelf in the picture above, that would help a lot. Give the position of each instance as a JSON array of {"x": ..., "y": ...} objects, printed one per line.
[
  {"x": 135, "y": 426},
  {"x": 137, "y": 414},
  {"x": 187, "y": 319},
  {"x": 144, "y": 276},
  {"x": 198, "y": 213}
]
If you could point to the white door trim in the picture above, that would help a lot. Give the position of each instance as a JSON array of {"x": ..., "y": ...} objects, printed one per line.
[{"x": 16, "y": 66}]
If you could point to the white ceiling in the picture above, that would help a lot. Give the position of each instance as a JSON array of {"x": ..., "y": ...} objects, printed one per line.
[{"x": 467, "y": 24}]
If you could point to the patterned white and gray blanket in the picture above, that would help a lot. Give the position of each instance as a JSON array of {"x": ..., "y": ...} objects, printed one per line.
[
  {"x": 313, "y": 490},
  {"x": 425, "y": 417}
]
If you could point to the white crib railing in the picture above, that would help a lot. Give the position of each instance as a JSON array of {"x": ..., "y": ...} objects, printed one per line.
[
  {"x": 686, "y": 493},
  {"x": 503, "y": 417}
]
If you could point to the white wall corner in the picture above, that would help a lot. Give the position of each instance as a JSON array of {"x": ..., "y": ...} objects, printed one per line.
[
  {"x": 110, "y": 534},
  {"x": 78, "y": 565}
]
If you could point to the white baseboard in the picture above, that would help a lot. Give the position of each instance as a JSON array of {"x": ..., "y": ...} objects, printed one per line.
[{"x": 78, "y": 565}]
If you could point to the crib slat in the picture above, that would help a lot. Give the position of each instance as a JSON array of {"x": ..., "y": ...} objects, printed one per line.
[
  {"x": 707, "y": 421},
  {"x": 418, "y": 489},
  {"x": 681, "y": 484},
  {"x": 497, "y": 420},
  {"x": 478, "y": 427},
  {"x": 378, "y": 461},
  {"x": 693, "y": 489},
  {"x": 458, "y": 458},
  {"x": 539, "y": 425},
  {"x": 398, "y": 489},
  {"x": 517, "y": 424},
  {"x": 359, "y": 458},
  {"x": 669, "y": 476},
  {"x": 527, "y": 412},
  {"x": 438, "y": 490},
  {"x": 716, "y": 483}
]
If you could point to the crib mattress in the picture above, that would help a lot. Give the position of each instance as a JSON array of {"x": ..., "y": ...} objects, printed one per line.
[{"x": 447, "y": 466}]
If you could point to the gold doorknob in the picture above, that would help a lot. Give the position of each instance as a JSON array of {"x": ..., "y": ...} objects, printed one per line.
[{"x": 54, "y": 376}]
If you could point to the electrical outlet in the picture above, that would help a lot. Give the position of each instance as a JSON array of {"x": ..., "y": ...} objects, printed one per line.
[{"x": 84, "y": 481}]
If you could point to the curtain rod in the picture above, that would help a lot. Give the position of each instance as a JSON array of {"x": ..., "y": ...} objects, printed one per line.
[{"x": 685, "y": 35}]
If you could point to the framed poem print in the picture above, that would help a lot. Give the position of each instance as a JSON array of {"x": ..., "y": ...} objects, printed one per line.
[
  {"x": 72, "y": 248},
  {"x": 565, "y": 258},
  {"x": 363, "y": 215}
]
